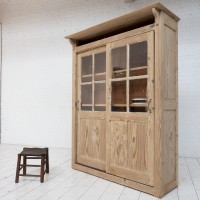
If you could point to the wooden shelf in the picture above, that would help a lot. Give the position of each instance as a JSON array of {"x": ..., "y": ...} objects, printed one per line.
[
  {"x": 119, "y": 105},
  {"x": 86, "y": 104},
  {"x": 88, "y": 75},
  {"x": 99, "y": 74},
  {"x": 138, "y": 68},
  {"x": 138, "y": 105},
  {"x": 131, "y": 69},
  {"x": 86, "y": 83},
  {"x": 131, "y": 105},
  {"x": 129, "y": 78},
  {"x": 138, "y": 77},
  {"x": 94, "y": 104},
  {"x": 119, "y": 71},
  {"x": 99, "y": 105}
]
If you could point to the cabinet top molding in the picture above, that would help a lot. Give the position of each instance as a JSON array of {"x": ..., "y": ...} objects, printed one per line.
[{"x": 140, "y": 16}]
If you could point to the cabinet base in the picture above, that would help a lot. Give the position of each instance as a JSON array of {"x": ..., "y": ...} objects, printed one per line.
[
  {"x": 122, "y": 181},
  {"x": 116, "y": 179}
]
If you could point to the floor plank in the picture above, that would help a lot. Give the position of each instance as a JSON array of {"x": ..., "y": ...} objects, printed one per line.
[
  {"x": 144, "y": 196},
  {"x": 173, "y": 195},
  {"x": 96, "y": 190},
  {"x": 112, "y": 192},
  {"x": 51, "y": 182},
  {"x": 194, "y": 169},
  {"x": 26, "y": 185},
  {"x": 186, "y": 190},
  {"x": 60, "y": 189},
  {"x": 76, "y": 191},
  {"x": 129, "y": 194},
  {"x": 65, "y": 183}
]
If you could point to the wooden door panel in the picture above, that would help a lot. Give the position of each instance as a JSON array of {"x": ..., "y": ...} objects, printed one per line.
[
  {"x": 91, "y": 108},
  {"x": 130, "y": 135},
  {"x": 119, "y": 142},
  {"x": 130, "y": 151},
  {"x": 91, "y": 143},
  {"x": 138, "y": 143}
]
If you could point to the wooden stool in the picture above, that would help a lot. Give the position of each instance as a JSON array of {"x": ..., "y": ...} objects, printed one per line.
[{"x": 33, "y": 153}]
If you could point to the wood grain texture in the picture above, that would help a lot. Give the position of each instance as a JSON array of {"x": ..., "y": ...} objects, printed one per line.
[
  {"x": 158, "y": 121},
  {"x": 119, "y": 143},
  {"x": 170, "y": 102},
  {"x": 165, "y": 103},
  {"x": 169, "y": 134},
  {"x": 130, "y": 147},
  {"x": 114, "y": 38},
  {"x": 124, "y": 21},
  {"x": 91, "y": 133},
  {"x": 130, "y": 144},
  {"x": 117, "y": 179},
  {"x": 74, "y": 102},
  {"x": 91, "y": 143},
  {"x": 169, "y": 59},
  {"x": 138, "y": 149}
]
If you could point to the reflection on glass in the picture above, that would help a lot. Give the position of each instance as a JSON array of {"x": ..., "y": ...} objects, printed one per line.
[
  {"x": 88, "y": 108},
  {"x": 86, "y": 69},
  {"x": 138, "y": 95},
  {"x": 100, "y": 66},
  {"x": 99, "y": 96},
  {"x": 138, "y": 59},
  {"x": 118, "y": 60},
  {"x": 118, "y": 96},
  {"x": 86, "y": 97}
]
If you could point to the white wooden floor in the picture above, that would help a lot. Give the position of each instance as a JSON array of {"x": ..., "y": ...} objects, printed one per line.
[{"x": 65, "y": 183}]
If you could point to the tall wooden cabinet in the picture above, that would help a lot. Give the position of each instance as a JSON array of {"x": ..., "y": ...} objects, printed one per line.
[{"x": 125, "y": 100}]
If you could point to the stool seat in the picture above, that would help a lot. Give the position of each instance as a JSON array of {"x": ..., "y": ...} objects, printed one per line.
[{"x": 33, "y": 153}]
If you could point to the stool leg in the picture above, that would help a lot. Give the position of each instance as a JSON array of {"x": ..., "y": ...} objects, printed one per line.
[
  {"x": 42, "y": 169},
  {"x": 47, "y": 161},
  {"x": 24, "y": 163},
  {"x": 18, "y": 168}
]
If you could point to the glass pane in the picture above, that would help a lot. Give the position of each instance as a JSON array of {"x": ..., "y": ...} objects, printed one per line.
[
  {"x": 86, "y": 97},
  {"x": 118, "y": 60},
  {"x": 119, "y": 96},
  {"x": 138, "y": 95},
  {"x": 100, "y": 66},
  {"x": 138, "y": 59},
  {"x": 100, "y": 108},
  {"x": 88, "y": 108},
  {"x": 86, "y": 68},
  {"x": 99, "y": 96}
]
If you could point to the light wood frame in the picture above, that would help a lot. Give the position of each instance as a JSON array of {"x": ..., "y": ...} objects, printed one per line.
[{"x": 165, "y": 31}]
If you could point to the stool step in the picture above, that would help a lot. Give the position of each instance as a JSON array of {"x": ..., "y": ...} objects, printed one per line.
[
  {"x": 30, "y": 165},
  {"x": 31, "y": 175},
  {"x": 31, "y": 157}
]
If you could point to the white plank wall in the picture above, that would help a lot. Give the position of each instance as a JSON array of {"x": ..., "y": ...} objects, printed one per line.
[
  {"x": 65, "y": 183},
  {"x": 0, "y": 73}
]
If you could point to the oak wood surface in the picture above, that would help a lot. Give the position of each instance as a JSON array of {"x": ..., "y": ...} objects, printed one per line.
[
  {"x": 124, "y": 21},
  {"x": 132, "y": 148}
]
